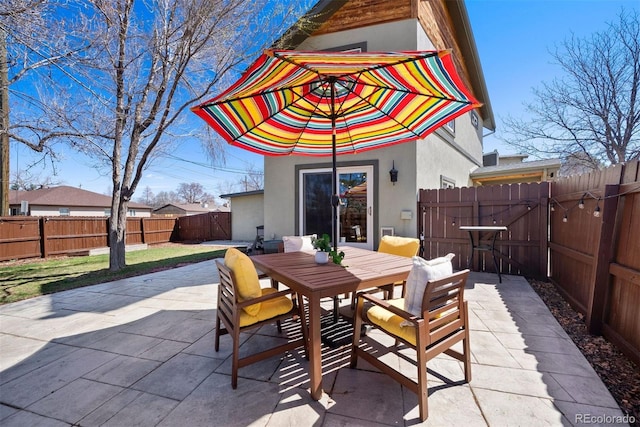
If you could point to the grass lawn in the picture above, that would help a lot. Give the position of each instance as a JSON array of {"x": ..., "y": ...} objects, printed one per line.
[{"x": 30, "y": 278}]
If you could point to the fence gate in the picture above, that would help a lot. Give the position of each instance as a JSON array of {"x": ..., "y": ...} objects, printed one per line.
[
  {"x": 206, "y": 226},
  {"x": 522, "y": 208}
]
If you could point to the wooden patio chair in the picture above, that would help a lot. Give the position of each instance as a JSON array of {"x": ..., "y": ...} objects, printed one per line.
[
  {"x": 444, "y": 322},
  {"x": 244, "y": 305},
  {"x": 395, "y": 245}
]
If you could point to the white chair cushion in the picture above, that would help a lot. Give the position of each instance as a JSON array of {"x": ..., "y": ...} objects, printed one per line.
[
  {"x": 423, "y": 271},
  {"x": 298, "y": 243}
]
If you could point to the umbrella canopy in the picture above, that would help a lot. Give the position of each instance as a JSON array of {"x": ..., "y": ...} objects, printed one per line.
[
  {"x": 324, "y": 103},
  {"x": 331, "y": 103}
]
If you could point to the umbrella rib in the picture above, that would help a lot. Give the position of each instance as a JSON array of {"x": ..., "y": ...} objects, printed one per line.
[
  {"x": 411, "y": 59},
  {"x": 370, "y": 105},
  {"x": 407, "y": 91},
  {"x": 378, "y": 109},
  {"x": 265, "y": 118},
  {"x": 312, "y": 111}
]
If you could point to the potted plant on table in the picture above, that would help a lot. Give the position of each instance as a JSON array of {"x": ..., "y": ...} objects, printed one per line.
[{"x": 324, "y": 250}]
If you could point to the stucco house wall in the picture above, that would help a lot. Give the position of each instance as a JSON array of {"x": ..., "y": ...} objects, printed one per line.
[
  {"x": 69, "y": 201},
  {"x": 35, "y": 210},
  {"x": 247, "y": 213},
  {"x": 421, "y": 164}
]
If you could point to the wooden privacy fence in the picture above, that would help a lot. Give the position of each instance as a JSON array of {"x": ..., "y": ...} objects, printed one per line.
[
  {"x": 595, "y": 260},
  {"x": 522, "y": 208},
  {"x": 583, "y": 232},
  {"x": 34, "y": 237},
  {"x": 206, "y": 226}
]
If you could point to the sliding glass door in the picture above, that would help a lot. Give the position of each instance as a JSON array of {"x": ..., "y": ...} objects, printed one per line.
[{"x": 355, "y": 213}]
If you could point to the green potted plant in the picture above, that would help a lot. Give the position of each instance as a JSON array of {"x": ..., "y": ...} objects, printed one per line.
[{"x": 324, "y": 250}]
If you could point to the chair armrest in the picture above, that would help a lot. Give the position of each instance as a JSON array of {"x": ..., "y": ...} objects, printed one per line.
[
  {"x": 265, "y": 298},
  {"x": 395, "y": 310}
]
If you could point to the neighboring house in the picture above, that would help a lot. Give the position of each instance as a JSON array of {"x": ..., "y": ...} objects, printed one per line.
[
  {"x": 67, "y": 201},
  {"x": 186, "y": 209},
  {"x": 295, "y": 187},
  {"x": 511, "y": 169}
]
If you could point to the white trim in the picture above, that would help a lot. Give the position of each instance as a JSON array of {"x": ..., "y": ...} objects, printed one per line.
[{"x": 369, "y": 170}]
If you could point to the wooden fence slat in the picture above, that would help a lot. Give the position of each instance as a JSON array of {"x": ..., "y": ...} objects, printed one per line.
[{"x": 604, "y": 250}]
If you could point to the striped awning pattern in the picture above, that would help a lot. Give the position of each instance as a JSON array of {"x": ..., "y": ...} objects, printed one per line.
[{"x": 291, "y": 102}]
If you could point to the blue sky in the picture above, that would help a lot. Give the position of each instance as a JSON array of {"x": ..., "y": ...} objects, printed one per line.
[{"x": 513, "y": 38}]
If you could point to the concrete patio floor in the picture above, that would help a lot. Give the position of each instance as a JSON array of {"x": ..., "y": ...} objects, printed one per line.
[{"x": 139, "y": 352}]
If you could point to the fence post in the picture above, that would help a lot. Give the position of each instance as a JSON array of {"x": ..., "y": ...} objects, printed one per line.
[
  {"x": 475, "y": 220},
  {"x": 543, "y": 236},
  {"x": 604, "y": 253},
  {"x": 43, "y": 237}
]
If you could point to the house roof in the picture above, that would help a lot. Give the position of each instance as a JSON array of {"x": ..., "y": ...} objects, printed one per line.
[
  {"x": 187, "y": 207},
  {"x": 65, "y": 196},
  {"x": 511, "y": 168},
  {"x": 241, "y": 194},
  {"x": 324, "y": 9},
  {"x": 222, "y": 208}
]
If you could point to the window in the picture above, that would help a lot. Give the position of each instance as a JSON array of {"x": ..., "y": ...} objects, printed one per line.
[
  {"x": 107, "y": 212},
  {"x": 131, "y": 212},
  {"x": 316, "y": 203},
  {"x": 64, "y": 211},
  {"x": 447, "y": 182},
  {"x": 474, "y": 119},
  {"x": 353, "y": 47},
  {"x": 451, "y": 126}
]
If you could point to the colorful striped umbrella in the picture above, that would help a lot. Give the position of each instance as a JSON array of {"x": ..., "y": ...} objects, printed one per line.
[
  {"x": 318, "y": 103},
  {"x": 330, "y": 103}
]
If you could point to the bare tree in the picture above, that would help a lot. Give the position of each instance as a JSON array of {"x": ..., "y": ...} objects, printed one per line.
[
  {"x": 28, "y": 47},
  {"x": 137, "y": 68},
  {"x": 590, "y": 117},
  {"x": 147, "y": 196},
  {"x": 193, "y": 193},
  {"x": 164, "y": 198},
  {"x": 253, "y": 180},
  {"x": 26, "y": 181}
]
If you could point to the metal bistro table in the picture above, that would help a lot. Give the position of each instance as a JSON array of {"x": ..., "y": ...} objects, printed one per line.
[
  {"x": 488, "y": 248},
  {"x": 299, "y": 271}
]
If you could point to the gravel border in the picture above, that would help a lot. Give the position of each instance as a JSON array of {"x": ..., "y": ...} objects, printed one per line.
[{"x": 619, "y": 374}]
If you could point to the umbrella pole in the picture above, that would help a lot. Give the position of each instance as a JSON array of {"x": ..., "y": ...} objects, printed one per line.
[{"x": 334, "y": 185}]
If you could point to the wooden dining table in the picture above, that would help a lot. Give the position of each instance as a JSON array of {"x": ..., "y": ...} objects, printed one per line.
[{"x": 361, "y": 269}]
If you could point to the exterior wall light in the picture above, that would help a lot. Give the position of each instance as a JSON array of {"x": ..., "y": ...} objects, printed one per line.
[{"x": 393, "y": 173}]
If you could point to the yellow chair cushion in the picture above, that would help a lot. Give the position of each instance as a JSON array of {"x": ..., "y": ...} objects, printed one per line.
[
  {"x": 268, "y": 309},
  {"x": 245, "y": 278},
  {"x": 402, "y": 246},
  {"x": 392, "y": 323}
]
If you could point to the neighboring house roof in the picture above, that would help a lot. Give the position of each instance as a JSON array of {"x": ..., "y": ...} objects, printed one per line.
[
  {"x": 222, "y": 208},
  {"x": 325, "y": 9},
  {"x": 241, "y": 194},
  {"x": 187, "y": 207},
  {"x": 65, "y": 196},
  {"x": 515, "y": 171}
]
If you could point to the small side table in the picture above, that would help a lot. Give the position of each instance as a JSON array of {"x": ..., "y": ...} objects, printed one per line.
[{"x": 489, "y": 248}]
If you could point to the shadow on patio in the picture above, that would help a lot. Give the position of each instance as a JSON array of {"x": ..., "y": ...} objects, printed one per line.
[{"x": 151, "y": 361}]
